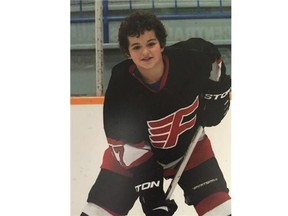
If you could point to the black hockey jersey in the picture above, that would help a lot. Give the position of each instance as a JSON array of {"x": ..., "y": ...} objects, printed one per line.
[{"x": 140, "y": 122}]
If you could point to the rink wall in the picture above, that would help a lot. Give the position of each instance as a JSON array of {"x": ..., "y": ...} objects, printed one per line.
[
  {"x": 86, "y": 100},
  {"x": 88, "y": 143}
]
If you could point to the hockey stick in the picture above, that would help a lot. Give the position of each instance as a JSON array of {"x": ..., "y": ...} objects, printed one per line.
[{"x": 186, "y": 158}]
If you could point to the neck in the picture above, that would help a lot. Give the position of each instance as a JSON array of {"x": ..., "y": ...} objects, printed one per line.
[{"x": 151, "y": 76}]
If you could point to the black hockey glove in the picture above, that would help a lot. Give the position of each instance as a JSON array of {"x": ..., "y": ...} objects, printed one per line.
[
  {"x": 149, "y": 185},
  {"x": 216, "y": 101}
]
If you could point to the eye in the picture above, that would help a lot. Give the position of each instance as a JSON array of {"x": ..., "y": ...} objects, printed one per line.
[
  {"x": 136, "y": 47},
  {"x": 151, "y": 44}
]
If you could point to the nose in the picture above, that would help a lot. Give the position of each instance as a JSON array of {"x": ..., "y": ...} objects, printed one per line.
[{"x": 145, "y": 52}]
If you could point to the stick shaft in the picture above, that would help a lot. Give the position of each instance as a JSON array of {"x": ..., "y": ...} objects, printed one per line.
[{"x": 186, "y": 158}]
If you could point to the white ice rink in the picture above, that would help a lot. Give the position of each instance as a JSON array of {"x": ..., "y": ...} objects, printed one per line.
[{"x": 88, "y": 143}]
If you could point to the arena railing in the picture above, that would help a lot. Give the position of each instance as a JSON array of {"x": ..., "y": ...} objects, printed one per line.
[{"x": 84, "y": 8}]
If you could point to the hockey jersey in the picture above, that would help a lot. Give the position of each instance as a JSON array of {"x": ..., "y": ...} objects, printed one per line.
[{"x": 141, "y": 122}]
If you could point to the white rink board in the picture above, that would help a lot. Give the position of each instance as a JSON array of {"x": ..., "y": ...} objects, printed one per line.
[{"x": 88, "y": 143}]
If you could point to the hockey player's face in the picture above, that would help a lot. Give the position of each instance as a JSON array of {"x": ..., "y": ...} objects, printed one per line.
[{"x": 145, "y": 50}]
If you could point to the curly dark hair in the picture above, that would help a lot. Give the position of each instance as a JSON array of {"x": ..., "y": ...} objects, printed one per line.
[{"x": 135, "y": 24}]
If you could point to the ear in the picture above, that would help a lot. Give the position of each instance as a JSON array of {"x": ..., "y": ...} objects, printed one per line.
[
  {"x": 162, "y": 49},
  {"x": 127, "y": 55}
]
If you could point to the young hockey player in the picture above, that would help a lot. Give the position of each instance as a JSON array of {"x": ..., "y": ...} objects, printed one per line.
[{"x": 153, "y": 105}]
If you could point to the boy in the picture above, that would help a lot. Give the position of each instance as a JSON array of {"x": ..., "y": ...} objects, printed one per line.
[{"x": 153, "y": 105}]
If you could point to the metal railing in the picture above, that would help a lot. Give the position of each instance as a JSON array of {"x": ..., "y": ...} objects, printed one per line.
[{"x": 199, "y": 10}]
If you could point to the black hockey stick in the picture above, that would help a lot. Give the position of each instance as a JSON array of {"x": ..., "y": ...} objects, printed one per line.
[{"x": 186, "y": 158}]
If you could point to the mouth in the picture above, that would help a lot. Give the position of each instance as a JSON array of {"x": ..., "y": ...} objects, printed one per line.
[{"x": 146, "y": 59}]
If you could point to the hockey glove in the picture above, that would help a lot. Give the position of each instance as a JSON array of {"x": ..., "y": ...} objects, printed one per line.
[
  {"x": 216, "y": 101},
  {"x": 149, "y": 185}
]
